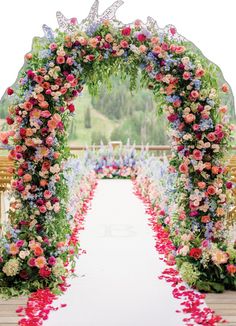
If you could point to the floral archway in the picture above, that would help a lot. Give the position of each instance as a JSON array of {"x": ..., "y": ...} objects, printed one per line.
[{"x": 39, "y": 247}]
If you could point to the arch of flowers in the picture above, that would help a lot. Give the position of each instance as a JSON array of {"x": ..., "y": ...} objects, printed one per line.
[{"x": 39, "y": 246}]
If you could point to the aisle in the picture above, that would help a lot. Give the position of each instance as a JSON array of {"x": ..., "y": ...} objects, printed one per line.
[{"x": 118, "y": 283}]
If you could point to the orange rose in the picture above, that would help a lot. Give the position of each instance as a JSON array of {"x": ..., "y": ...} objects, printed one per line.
[
  {"x": 205, "y": 219},
  {"x": 215, "y": 170},
  {"x": 38, "y": 251},
  {"x": 207, "y": 165}
]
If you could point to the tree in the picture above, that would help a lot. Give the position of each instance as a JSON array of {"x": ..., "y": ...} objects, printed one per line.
[
  {"x": 87, "y": 118},
  {"x": 97, "y": 137}
]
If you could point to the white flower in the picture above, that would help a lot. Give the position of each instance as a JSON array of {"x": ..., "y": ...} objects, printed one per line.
[
  {"x": 24, "y": 253},
  {"x": 55, "y": 168}
]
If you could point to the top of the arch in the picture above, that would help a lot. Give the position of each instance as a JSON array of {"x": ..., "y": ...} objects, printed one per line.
[{"x": 93, "y": 20}]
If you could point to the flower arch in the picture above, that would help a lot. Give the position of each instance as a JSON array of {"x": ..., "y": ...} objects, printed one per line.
[{"x": 38, "y": 246}]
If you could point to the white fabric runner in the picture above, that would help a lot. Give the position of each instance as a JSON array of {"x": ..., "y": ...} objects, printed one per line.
[{"x": 118, "y": 281}]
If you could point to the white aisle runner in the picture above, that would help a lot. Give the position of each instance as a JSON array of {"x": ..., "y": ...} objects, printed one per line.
[{"x": 118, "y": 281}]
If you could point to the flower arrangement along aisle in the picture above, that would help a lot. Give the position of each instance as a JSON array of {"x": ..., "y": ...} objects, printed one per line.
[
  {"x": 42, "y": 103},
  {"x": 120, "y": 163},
  {"x": 203, "y": 263}
]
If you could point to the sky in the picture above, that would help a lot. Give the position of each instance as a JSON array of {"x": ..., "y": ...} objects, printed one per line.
[{"x": 209, "y": 24}]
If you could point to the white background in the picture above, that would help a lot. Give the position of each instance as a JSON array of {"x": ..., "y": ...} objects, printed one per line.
[{"x": 210, "y": 24}]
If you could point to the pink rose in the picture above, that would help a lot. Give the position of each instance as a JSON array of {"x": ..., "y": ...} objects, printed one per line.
[
  {"x": 197, "y": 154},
  {"x": 186, "y": 75},
  {"x": 42, "y": 209},
  {"x": 194, "y": 95},
  {"x": 49, "y": 140},
  {"x": 47, "y": 194},
  {"x": 31, "y": 262},
  {"x": 45, "y": 114},
  {"x": 70, "y": 77},
  {"x": 53, "y": 46},
  {"x": 124, "y": 44},
  {"x": 183, "y": 168},
  {"x": 211, "y": 136},
  {"x": 196, "y": 127}
]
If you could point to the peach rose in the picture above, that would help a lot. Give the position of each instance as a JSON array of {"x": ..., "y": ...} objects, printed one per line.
[
  {"x": 189, "y": 118},
  {"x": 215, "y": 169},
  {"x": 220, "y": 211},
  {"x": 43, "y": 182},
  {"x": 207, "y": 165},
  {"x": 219, "y": 257},
  {"x": 199, "y": 72},
  {"x": 44, "y": 104},
  {"x": 27, "y": 177},
  {"x": 13, "y": 249},
  {"x": 40, "y": 262},
  {"x": 201, "y": 184},
  {"x": 29, "y": 132},
  {"x": 93, "y": 42},
  {"x": 142, "y": 48},
  {"x": 223, "y": 109},
  {"x": 109, "y": 38},
  {"x": 154, "y": 40},
  {"x": 28, "y": 106},
  {"x": 40, "y": 97}
]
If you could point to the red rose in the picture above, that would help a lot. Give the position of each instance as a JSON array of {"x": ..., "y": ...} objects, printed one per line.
[
  {"x": 9, "y": 120},
  {"x": 24, "y": 275},
  {"x": 126, "y": 31},
  {"x": 195, "y": 253},
  {"x": 30, "y": 74},
  {"x": 172, "y": 117},
  {"x": 22, "y": 132},
  {"x": 71, "y": 108},
  {"x": 44, "y": 272},
  {"x": 10, "y": 91},
  {"x": 141, "y": 37}
]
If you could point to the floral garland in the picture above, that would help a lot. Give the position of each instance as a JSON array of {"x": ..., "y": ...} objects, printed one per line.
[
  {"x": 40, "y": 303},
  {"x": 121, "y": 163},
  {"x": 53, "y": 75},
  {"x": 192, "y": 302},
  {"x": 211, "y": 266}
]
